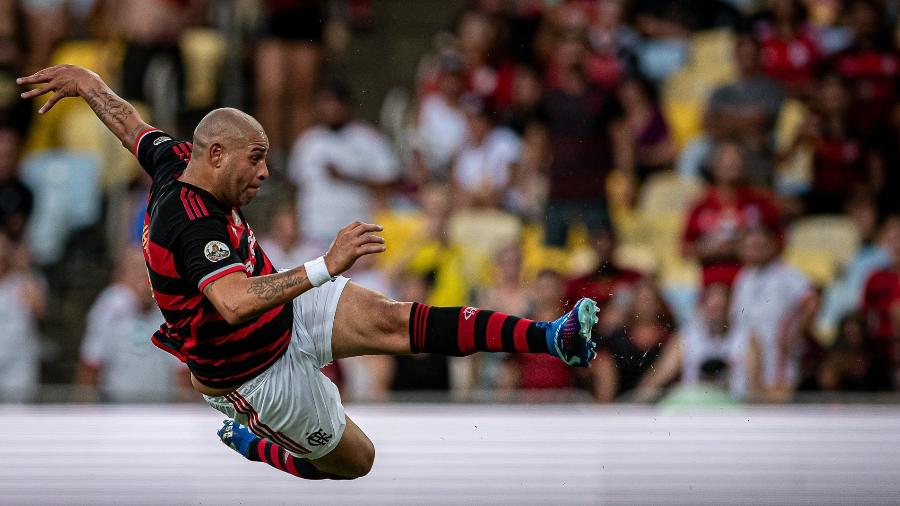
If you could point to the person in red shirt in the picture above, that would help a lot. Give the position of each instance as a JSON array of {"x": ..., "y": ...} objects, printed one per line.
[
  {"x": 881, "y": 308},
  {"x": 729, "y": 207},
  {"x": 608, "y": 280},
  {"x": 789, "y": 53}
]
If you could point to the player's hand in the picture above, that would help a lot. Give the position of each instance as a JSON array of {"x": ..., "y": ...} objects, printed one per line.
[
  {"x": 353, "y": 241},
  {"x": 62, "y": 80}
]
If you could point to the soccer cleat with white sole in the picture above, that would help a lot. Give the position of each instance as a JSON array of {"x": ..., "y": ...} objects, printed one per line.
[{"x": 569, "y": 337}]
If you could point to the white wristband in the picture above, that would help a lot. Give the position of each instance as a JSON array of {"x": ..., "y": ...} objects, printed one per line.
[{"x": 317, "y": 272}]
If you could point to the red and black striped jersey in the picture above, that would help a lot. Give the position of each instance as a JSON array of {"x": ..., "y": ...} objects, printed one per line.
[{"x": 191, "y": 239}]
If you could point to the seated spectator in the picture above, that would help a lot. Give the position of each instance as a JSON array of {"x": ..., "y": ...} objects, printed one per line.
[
  {"x": 774, "y": 303},
  {"x": 118, "y": 362},
  {"x": 846, "y": 366},
  {"x": 340, "y": 165},
  {"x": 646, "y": 128},
  {"x": 22, "y": 303},
  {"x": 483, "y": 170},
  {"x": 790, "y": 53},
  {"x": 705, "y": 337},
  {"x": 607, "y": 282},
  {"x": 627, "y": 354},
  {"x": 16, "y": 199},
  {"x": 881, "y": 308},
  {"x": 729, "y": 207},
  {"x": 284, "y": 244},
  {"x": 534, "y": 371}
]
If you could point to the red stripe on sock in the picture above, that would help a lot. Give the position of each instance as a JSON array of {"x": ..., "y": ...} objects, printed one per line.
[
  {"x": 466, "y": 333},
  {"x": 275, "y": 458},
  {"x": 520, "y": 339},
  {"x": 493, "y": 339},
  {"x": 290, "y": 467}
]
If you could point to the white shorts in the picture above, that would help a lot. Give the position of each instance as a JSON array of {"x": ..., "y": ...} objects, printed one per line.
[{"x": 292, "y": 403}]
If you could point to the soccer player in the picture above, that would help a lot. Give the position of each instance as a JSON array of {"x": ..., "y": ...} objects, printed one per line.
[{"x": 255, "y": 339}]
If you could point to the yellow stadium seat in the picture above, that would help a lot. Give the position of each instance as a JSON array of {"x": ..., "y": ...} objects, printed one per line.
[
  {"x": 835, "y": 235},
  {"x": 684, "y": 118},
  {"x": 667, "y": 192},
  {"x": 204, "y": 52},
  {"x": 819, "y": 265},
  {"x": 484, "y": 230},
  {"x": 399, "y": 228},
  {"x": 638, "y": 257}
]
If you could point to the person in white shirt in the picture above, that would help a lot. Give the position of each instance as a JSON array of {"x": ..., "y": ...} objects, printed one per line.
[
  {"x": 22, "y": 302},
  {"x": 339, "y": 165},
  {"x": 118, "y": 362},
  {"x": 774, "y": 303},
  {"x": 483, "y": 169}
]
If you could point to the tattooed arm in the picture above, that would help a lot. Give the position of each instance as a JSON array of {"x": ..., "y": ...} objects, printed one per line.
[
  {"x": 72, "y": 81},
  {"x": 239, "y": 298}
]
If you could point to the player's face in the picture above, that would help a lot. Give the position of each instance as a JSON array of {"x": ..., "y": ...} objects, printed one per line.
[{"x": 249, "y": 169}]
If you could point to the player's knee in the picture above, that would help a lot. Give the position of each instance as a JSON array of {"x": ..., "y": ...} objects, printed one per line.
[
  {"x": 362, "y": 462},
  {"x": 392, "y": 317}
]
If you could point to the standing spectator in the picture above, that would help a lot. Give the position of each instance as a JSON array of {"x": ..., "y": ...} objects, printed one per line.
[
  {"x": 790, "y": 53},
  {"x": 483, "y": 171},
  {"x": 16, "y": 200},
  {"x": 118, "y": 361},
  {"x": 340, "y": 166},
  {"x": 846, "y": 366},
  {"x": 625, "y": 355},
  {"x": 646, "y": 128},
  {"x": 746, "y": 109},
  {"x": 775, "y": 303},
  {"x": 871, "y": 65},
  {"x": 534, "y": 371},
  {"x": 584, "y": 131},
  {"x": 881, "y": 308},
  {"x": 284, "y": 244},
  {"x": 287, "y": 66},
  {"x": 706, "y": 336},
  {"x": 729, "y": 207},
  {"x": 22, "y": 303},
  {"x": 153, "y": 69}
]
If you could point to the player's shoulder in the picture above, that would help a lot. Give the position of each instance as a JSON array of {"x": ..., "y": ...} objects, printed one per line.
[{"x": 180, "y": 204}]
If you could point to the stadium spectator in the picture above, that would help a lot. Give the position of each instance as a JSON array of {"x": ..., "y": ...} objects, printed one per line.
[
  {"x": 706, "y": 336},
  {"x": 153, "y": 69},
  {"x": 608, "y": 281},
  {"x": 881, "y": 308},
  {"x": 790, "y": 53},
  {"x": 16, "y": 199},
  {"x": 729, "y": 207},
  {"x": 14, "y": 113},
  {"x": 746, "y": 109},
  {"x": 871, "y": 66},
  {"x": 341, "y": 165},
  {"x": 284, "y": 243},
  {"x": 846, "y": 365},
  {"x": 775, "y": 303},
  {"x": 628, "y": 353},
  {"x": 612, "y": 44},
  {"x": 118, "y": 363},
  {"x": 484, "y": 168},
  {"x": 22, "y": 304},
  {"x": 532, "y": 371},
  {"x": 287, "y": 60},
  {"x": 648, "y": 134},
  {"x": 584, "y": 132}
]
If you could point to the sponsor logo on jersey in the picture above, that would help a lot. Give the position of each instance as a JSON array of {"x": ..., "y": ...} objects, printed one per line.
[
  {"x": 160, "y": 140},
  {"x": 216, "y": 251}
]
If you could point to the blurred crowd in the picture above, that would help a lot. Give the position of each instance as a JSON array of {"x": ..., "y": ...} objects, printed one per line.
[{"x": 720, "y": 175}]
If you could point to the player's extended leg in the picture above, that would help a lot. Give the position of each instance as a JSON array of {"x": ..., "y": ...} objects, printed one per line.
[
  {"x": 369, "y": 323},
  {"x": 351, "y": 458}
]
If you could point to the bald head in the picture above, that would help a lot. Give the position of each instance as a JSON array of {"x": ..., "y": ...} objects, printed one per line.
[{"x": 226, "y": 126}]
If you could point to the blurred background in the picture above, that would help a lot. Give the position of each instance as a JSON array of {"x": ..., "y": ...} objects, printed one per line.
[{"x": 720, "y": 175}]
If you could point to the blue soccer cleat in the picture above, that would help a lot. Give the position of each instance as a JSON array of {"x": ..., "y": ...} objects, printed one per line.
[
  {"x": 238, "y": 437},
  {"x": 569, "y": 337}
]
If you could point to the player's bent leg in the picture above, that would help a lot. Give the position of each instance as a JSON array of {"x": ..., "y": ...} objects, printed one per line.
[
  {"x": 369, "y": 323},
  {"x": 352, "y": 457}
]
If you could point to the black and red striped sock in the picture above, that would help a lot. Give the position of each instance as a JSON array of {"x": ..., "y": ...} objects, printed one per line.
[
  {"x": 461, "y": 331},
  {"x": 266, "y": 451}
]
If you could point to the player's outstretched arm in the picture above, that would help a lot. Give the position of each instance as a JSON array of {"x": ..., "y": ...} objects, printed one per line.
[
  {"x": 239, "y": 298},
  {"x": 73, "y": 81}
]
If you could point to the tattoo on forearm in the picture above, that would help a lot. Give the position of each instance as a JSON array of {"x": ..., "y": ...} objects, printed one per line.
[
  {"x": 109, "y": 107},
  {"x": 270, "y": 287}
]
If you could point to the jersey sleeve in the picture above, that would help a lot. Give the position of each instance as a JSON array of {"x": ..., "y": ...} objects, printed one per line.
[
  {"x": 206, "y": 250},
  {"x": 158, "y": 153}
]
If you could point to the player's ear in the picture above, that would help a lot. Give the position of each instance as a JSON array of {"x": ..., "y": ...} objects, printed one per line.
[{"x": 216, "y": 154}]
